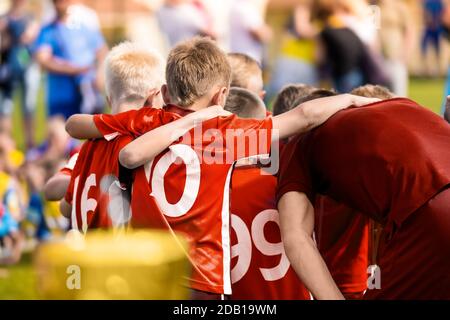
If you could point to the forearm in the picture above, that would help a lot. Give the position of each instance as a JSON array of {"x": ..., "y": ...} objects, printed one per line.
[
  {"x": 56, "y": 187},
  {"x": 58, "y": 66},
  {"x": 310, "y": 267},
  {"x": 65, "y": 208},
  {"x": 297, "y": 227},
  {"x": 263, "y": 34},
  {"x": 149, "y": 145},
  {"x": 314, "y": 113},
  {"x": 82, "y": 127}
]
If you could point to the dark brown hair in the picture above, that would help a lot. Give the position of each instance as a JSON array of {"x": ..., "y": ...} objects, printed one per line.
[{"x": 287, "y": 97}]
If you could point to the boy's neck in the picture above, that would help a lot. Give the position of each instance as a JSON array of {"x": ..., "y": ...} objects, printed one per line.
[
  {"x": 123, "y": 108},
  {"x": 197, "y": 105}
]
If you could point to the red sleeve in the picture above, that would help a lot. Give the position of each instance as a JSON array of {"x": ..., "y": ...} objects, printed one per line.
[
  {"x": 66, "y": 171},
  {"x": 133, "y": 122},
  {"x": 70, "y": 165},
  {"x": 294, "y": 171},
  {"x": 246, "y": 138}
]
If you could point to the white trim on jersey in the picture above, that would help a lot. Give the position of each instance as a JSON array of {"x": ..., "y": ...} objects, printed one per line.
[
  {"x": 111, "y": 136},
  {"x": 226, "y": 241},
  {"x": 70, "y": 165}
]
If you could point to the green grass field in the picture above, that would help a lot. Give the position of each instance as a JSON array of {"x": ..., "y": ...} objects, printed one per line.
[
  {"x": 19, "y": 283},
  {"x": 428, "y": 92}
]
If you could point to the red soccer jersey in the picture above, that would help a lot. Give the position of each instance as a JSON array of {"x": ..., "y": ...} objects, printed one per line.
[
  {"x": 187, "y": 187},
  {"x": 342, "y": 236},
  {"x": 261, "y": 269},
  {"x": 94, "y": 190},
  {"x": 384, "y": 160}
]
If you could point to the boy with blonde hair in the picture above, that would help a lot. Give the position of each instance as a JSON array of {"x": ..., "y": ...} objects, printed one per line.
[{"x": 133, "y": 76}]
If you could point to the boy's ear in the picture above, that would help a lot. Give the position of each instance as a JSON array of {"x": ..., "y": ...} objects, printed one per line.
[
  {"x": 220, "y": 98},
  {"x": 262, "y": 94},
  {"x": 158, "y": 102},
  {"x": 152, "y": 97},
  {"x": 165, "y": 94}
]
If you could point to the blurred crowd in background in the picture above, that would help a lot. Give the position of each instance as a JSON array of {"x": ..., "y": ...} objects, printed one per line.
[{"x": 56, "y": 47}]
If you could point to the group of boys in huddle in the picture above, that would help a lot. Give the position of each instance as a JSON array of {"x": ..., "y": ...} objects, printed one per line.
[{"x": 273, "y": 206}]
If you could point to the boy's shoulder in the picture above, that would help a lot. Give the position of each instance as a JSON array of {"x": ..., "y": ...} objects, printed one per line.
[{"x": 234, "y": 122}]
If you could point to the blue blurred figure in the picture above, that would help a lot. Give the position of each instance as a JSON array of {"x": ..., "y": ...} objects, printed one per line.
[
  {"x": 433, "y": 11},
  {"x": 72, "y": 52},
  {"x": 17, "y": 70}
]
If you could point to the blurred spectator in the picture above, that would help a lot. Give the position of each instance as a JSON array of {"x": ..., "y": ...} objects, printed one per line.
[
  {"x": 342, "y": 50},
  {"x": 180, "y": 20},
  {"x": 12, "y": 210},
  {"x": 296, "y": 62},
  {"x": 42, "y": 163},
  {"x": 219, "y": 12},
  {"x": 396, "y": 39},
  {"x": 18, "y": 30},
  {"x": 447, "y": 109},
  {"x": 81, "y": 14},
  {"x": 350, "y": 48},
  {"x": 72, "y": 53},
  {"x": 55, "y": 150},
  {"x": 248, "y": 30},
  {"x": 361, "y": 19},
  {"x": 433, "y": 13}
]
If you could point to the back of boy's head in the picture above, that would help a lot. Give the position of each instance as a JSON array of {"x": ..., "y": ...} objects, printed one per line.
[
  {"x": 131, "y": 72},
  {"x": 245, "y": 104},
  {"x": 286, "y": 99},
  {"x": 194, "y": 68},
  {"x": 315, "y": 94},
  {"x": 245, "y": 72},
  {"x": 373, "y": 91}
]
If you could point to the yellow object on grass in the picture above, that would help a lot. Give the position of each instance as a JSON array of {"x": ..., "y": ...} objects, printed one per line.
[{"x": 149, "y": 265}]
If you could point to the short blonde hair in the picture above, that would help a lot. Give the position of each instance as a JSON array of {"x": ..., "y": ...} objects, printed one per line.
[
  {"x": 131, "y": 71},
  {"x": 193, "y": 68},
  {"x": 373, "y": 91},
  {"x": 243, "y": 68}
]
